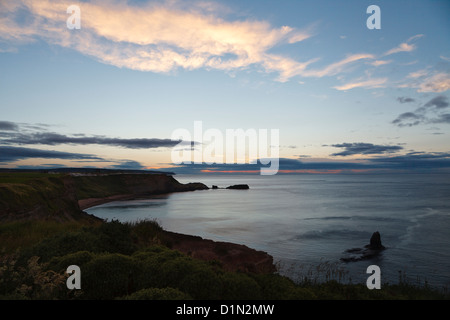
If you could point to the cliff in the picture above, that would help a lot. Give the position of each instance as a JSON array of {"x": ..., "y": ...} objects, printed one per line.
[
  {"x": 95, "y": 190},
  {"x": 62, "y": 197}
]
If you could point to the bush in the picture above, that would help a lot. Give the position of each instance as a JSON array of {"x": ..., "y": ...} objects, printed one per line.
[
  {"x": 239, "y": 286},
  {"x": 108, "y": 276},
  {"x": 146, "y": 232},
  {"x": 32, "y": 281},
  {"x": 115, "y": 237},
  {"x": 63, "y": 244},
  {"x": 201, "y": 284},
  {"x": 80, "y": 258}
]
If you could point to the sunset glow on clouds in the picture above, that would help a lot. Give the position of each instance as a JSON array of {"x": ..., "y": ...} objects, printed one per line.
[
  {"x": 310, "y": 69},
  {"x": 158, "y": 37}
]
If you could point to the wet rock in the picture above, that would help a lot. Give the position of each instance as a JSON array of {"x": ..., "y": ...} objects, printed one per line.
[
  {"x": 375, "y": 242},
  {"x": 369, "y": 251}
]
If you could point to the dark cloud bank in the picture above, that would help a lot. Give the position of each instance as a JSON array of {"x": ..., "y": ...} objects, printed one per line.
[
  {"x": 381, "y": 156},
  {"x": 52, "y": 139},
  {"x": 364, "y": 148}
]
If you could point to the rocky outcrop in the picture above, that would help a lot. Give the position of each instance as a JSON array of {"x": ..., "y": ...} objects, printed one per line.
[
  {"x": 239, "y": 187},
  {"x": 375, "y": 242},
  {"x": 373, "y": 249}
]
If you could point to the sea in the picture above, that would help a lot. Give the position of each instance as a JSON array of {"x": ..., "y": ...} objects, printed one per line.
[{"x": 308, "y": 221}]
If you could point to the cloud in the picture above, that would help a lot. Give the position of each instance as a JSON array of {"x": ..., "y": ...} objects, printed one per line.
[
  {"x": 8, "y": 126},
  {"x": 11, "y": 154},
  {"x": 438, "y": 82},
  {"x": 410, "y": 162},
  {"x": 426, "y": 80},
  {"x": 286, "y": 165},
  {"x": 440, "y": 102},
  {"x": 418, "y": 74},
  {"x": 443, "y": 118},
  {"x": 337, "y": 67},
  {"x": 405, "y": 99},
  {"x": 128, "y": 165},
  {"x": 408, "y": 119},
  {"x": 371, "y": 83},
  {"x": 416, "y": 161},
  {"x": 364, "y": 148},
  {"x": 163, "y": 37},
  {"x": 52, "y": 139},
  {"x": 430, "y": 112},
  {"x": 377, "y": 63},
  {"x": 154, "y": 37},
  {"x": 405, "y": 46}
]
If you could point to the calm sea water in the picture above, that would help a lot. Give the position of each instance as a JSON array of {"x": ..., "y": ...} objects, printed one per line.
[{"x": 308, "y": 221}]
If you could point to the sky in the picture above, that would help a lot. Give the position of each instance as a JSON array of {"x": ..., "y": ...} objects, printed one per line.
[{"x": 343, "y": 97}]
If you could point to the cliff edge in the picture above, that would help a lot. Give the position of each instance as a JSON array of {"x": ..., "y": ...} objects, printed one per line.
[{"x": 63, "y": 197}]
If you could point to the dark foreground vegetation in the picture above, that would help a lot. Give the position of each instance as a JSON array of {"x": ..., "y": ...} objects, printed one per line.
[{"x": 135, "y": 261}]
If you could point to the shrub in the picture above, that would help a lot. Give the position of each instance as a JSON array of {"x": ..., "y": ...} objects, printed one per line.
[
  {"x": 115, "y": 237},
  {"x": 201, "y": 284},
  {"x": 79, "y": 258},
  {"x": 239, "y": 286},
  {"x": 63, "y": 244},
  {"x": 33, "y": 281},
  {"x": 108, "y": 276}
]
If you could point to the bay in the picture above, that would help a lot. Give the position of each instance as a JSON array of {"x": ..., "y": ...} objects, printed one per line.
[{"x": 306, "y": 222}]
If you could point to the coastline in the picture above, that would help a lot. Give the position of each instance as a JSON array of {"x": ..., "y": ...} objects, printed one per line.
[
  {"x": 92, "y": 202},
  {"x": 232, "y": 256}
]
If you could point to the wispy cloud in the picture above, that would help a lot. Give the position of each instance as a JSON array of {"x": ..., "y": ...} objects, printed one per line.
[
  {"x": 438, "y": 82},
  {"x": 378, "y": 63},
  {"x": 371, "y": 83},
  {"x": 337, "y": 67},
  {"x": 405, "y": 46},
  {"x": 427, "y": 80}
]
